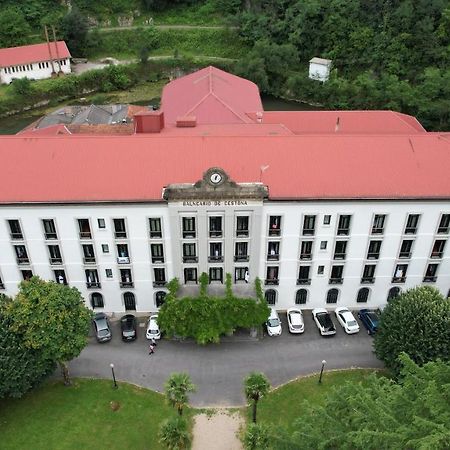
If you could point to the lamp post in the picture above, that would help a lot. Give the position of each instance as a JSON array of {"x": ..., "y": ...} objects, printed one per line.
[
  {"x": 114, "y": 376},
  {"x": 321, "y": 371}
]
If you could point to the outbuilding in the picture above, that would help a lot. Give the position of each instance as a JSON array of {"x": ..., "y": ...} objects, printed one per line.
[{"x": 319, "y": 69}]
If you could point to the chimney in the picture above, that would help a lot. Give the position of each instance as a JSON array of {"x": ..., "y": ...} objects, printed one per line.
[
  {"x": 148, "y": 122},
  {"x": 186, "y": 122},
  {"x": 338, "y": 124},
  {"x": 259, "y": 116}
]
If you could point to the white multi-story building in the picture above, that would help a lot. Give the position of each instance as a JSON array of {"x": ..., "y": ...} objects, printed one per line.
[
  {"x": 36, "y": 62},
  {"x": 324, "y": 207}
]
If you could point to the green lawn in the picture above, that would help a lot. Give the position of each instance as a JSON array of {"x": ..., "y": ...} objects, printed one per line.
[
  {"x": 80, "y": 417},
  {"x": 283, "y": 405}
]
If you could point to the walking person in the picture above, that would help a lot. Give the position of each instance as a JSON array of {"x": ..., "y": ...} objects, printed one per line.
[
  {"x": 151, "y": 349},
  {"x": 153, "y": 342}
]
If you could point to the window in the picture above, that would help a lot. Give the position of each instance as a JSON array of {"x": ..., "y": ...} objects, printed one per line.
[
  {"x": 240, "y": 274},
  {"x": 155, "y": 228},
  {"x": 368, "y": 273},
  {"x": 215, "y": 226},
  {"x": 157, "y": 251},
  {"x": 101, "y": 223},
  {"x": 85, "y": 228},
  {"x": 21, "y": 254},
  {"x": 120, "y": 231},
  {"x": 55, "y": 254},
  {"x": 271, "y": 296},
  {"x": 49, "y": 229},
  {"x": 327, "y": 219},
  {"x": 336, "y": 274},
  {"x": 129, "y": 301},
  {"x": 242, "y": 226},
  {"x": 438, "y": 248},
  {"x": 400, "y": 273},
  {"x": 2, "y": 286},
  {"x": 378, "y": 223},
  {"x": 92, "y": 280},
  {"x": 273, "y": 251},
  {"x": 411, "y": 224},
  {"x": 126, "y": 280},
  {"x": 309, "y": 225},
  {"x": 344, "y": 225},
  {"x": 405, "y": 249},
  {"x": 189, "y": 253},
  {"x": 393, "y": 292},
  {"x": 105, "y": 248},
  {"x": 215, "y": 251},
  {"x": 88, "y": 254},
  {"x": 363, "y": 295},
  {"x": 15, "y": 229},
  {"x": 190, "y": 275},
  {"x": 444, "y": 224},
  {"x": 97, "y": 300},
  {"x": 109, "y": 273},
  {"x": 301, "y": 297},
  {"x": 323, "y": 245},
  {"x": 332, "y": 296},
  {"x": 160, "y": 276},
  {"x": 123, "y": 256},
  {"x": 60, "y": 276},
  {"x": 320, "y": 270},
  {"x": 274, "y": 225},
  {"x": 241, "y": 251},
  {"x": 272, "y": 275},
  {"x": 374, "y": 250},
  {"x": 340, "y": 250},
  {"x": 306, "y": 250},
  {"x": 188, "y": 227},
  {"x": 430, "y": 274},
  {"x": 26, "y": 274},
  {"x": 215, "y": 274},
  {"x": 160, "y": 298},
  {"x": 303, "y": 275}
]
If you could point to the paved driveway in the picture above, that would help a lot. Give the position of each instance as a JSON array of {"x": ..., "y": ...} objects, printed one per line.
[{"x": 218, "y": 370}]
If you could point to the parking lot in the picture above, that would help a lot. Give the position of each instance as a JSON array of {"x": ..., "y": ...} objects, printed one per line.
[{"x": 218, "y": 370}]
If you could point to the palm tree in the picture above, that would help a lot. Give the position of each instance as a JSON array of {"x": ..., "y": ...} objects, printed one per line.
[
  {"x": 173, "y": 434},
  {"x": 256, "y": 385},
  {"x": 176, "y": 389}
]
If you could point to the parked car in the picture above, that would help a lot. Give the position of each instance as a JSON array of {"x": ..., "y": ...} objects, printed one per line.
[
  {"x": 273, "y": 323},
  {"x": 129, "y": 327},
  {"x": 369, "y": 319},
  {"x": 153, "y": 328},
  {"x": 347, "y": 320},
  {"x": 323, "y": 321},
  {"x": 102, "y": 328},
  {"x": 295, "y": 320}
]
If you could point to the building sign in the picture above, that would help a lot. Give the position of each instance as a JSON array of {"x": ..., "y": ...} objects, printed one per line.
[{"x": 215, "y": 203}]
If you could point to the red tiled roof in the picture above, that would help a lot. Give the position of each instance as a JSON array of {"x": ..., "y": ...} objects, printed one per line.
[
  {"x": 343, "y": 122},
  {"x": 135, "y": 168},
  {"x": 212, "y": 96},
  {"x": 27, "y": 54},
  {"x": 51, "y": 130}
]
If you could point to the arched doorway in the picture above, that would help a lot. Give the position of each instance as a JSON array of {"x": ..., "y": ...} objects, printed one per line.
[
  {"x": 129, "y": 301},
  {"x": 160, "y": 297},
  {"x": 393, "y": 292},
  {"x": 271, "y": 296}
]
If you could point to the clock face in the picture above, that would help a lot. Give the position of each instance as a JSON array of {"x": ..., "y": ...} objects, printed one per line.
[{"x": 215, "y": 178}]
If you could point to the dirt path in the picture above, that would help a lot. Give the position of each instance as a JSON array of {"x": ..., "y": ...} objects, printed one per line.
[
  {"x": 218, "y": 431},
  {"x": 165, "y": 27}
]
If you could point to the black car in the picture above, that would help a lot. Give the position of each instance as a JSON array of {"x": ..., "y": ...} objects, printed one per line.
[
  {"x": 129, "y": 327},
  {"x": 323, "y": 321}
]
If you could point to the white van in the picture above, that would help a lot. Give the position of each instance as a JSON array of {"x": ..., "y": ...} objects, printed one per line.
[{"x": 273, "y": 323}]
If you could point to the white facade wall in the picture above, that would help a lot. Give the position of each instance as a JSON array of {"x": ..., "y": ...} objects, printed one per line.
[
  {"x": 34, "y": 71},
  {"x": 292, "y": 214},
  {"x": 319, "y": 72}
]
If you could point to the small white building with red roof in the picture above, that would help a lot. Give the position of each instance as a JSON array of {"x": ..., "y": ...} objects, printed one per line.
[{"x": 35, "y": 62}]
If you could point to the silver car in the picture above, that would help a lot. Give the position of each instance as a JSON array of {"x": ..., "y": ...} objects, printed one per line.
[{"x": 102, "y": 328}]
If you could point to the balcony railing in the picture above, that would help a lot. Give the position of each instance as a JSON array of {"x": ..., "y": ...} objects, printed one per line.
[
  {"x": 336, "y": 280},
  {"x": 367, "y": 280},
  {"x": 190, "y": 259},
  {"x": 410, "y": 230},
  {"x": 443, "y": 230},
  {"x": 215, "y": 233},
  {"x": 271, "y": 281},
  {"x": 398, "y": 279},
  {"x": 273, "y": 257},
  {"x": 126, "y": 284},
  {"x": 159, "y": 283},
  {"x": 85, "y": 235},
  {"x": 24, "y": 260},
  {"x": 155, "y": 234},
  {"x": 189, "y": 234},
  {"x": 241, "y": 258},
  {"x": 343, "y": 231},
  {"x": 430, "y": 279},
  {"x": 242, "y": 233},
  {"x": 339, "y": 256},
  {"x": 55, "y": 261},
  {"x": 404, "y": 255},
  {"x": 377, "y": 230},
  {"x": 306, "y": 256},
  {"x": 17, "y": 236},
  {"x": 373, "y": 255},
  {"x": 436, "y": 255},
  {"x": 93, "y": 285},
  {"x": 215, "y": 258},
  {"x": 89, "y": 260},
  {"x": 274, "y": 231},
  {"x": 308, "y": 231},
  {"x": 123, "y": 260},
  {"x": 303, "y": 280},
  {"x": 120, "y": 234},
  {"x": 51, "y": 236}
]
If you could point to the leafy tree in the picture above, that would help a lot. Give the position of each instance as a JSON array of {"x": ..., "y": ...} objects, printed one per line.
[
  {"x": 256, "y": 386},
  {"x": 176, "y": 390},
  {"x": 21, "y": 368},
  {"x": 13, "y": 28},
  {"x": 74, "y": 29},
  {"x": 22, "y": 87},
  {"x": 143, "y": 55},
  {"x": 174, "y": 434},
  {"x": 257, "y": 437},
  {"x": 380, "y": 414},
  {"x": 416, "y": 322},
  {"x": 51, "y": 318}
]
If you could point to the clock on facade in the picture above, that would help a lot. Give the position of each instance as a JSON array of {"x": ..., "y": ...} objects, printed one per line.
[{"x": 215, "y": 178}]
